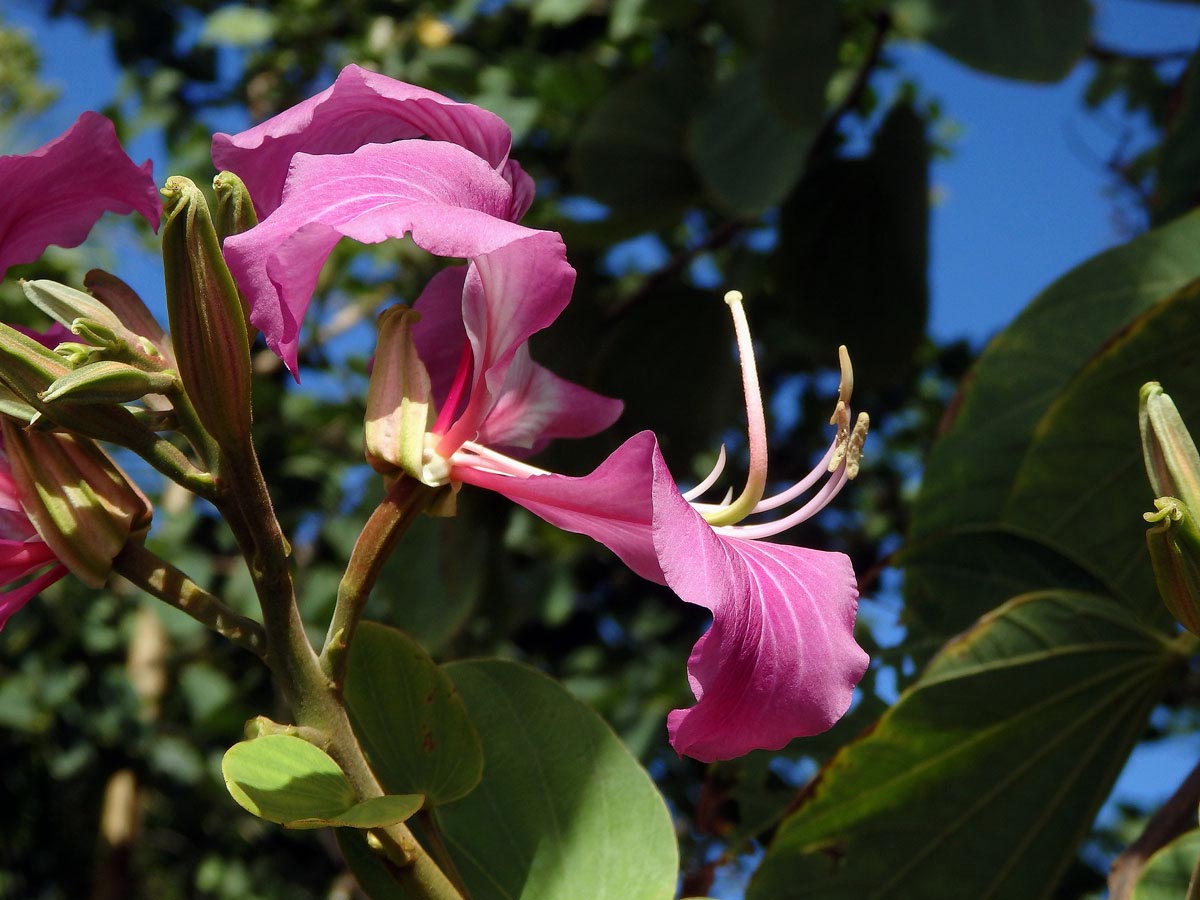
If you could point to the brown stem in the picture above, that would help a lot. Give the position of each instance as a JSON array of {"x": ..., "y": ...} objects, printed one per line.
[
  {"x": 1172, "y": 819},
  {"x": 160, "y": 579},
  {"x": 405, "y": 501},
  {"x": 883, "y": 25}
]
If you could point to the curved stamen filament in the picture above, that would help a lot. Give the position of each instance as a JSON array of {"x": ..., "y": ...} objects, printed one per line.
[
  {"x": 756, "y": 423},
  {"x": 807, "y": 511},
  {"x": 819, "y": 471},
  {"x": 497, "y": 462},
  {"x": 709, "y": 479}
]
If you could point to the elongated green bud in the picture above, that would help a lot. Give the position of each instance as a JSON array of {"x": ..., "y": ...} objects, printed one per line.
[
  {"x": 109, "y": 382},
  {"x": 235, "y": 214},
  {"x": 399, "y": 398},
  {"x": 78, "y": 499},
  {"x": 207, "y": 325},
  {"x": 1173, "y": 467}
]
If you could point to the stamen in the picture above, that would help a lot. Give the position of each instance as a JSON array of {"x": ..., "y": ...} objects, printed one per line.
[
  {"x": 503, "y": 465},
  {"x": 710, "y": 479},
  {"x": 819, "y": 471},
  {"x": 854, "y": 446},
  {"x": 807, "y": 511},
  {"x": 756, "y": 422}
]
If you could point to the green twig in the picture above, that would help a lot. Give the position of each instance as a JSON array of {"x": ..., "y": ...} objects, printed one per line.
[
  {"x": 405, "y": 501},
  {"x": 159, "y": 578}
]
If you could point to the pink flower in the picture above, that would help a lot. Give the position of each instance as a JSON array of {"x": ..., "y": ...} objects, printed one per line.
[
  {"x": 55, "y": 194},
  {"x": 22, "y": 551},
  {"x": 360, "y": 108},
  {"x": 780, "y": 660}
]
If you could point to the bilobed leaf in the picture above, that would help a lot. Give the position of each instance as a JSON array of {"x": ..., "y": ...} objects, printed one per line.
[
  {"x": 748, "y": 155},
  {"x": 409, "y": 717},
  {"x": 1169, "y": 871},
  {"x": 1082, "y": 486},
  {"x": 1025, "y": 39},
  {"x": 563, "y": 810},
  {"x": 285, "y": 779},
  {"x": 984, "y": 776},
  {"x": 971, "y": 467}
]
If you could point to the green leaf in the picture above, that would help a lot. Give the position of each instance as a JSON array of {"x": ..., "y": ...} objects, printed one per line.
[
  {"x": 409, "y": 717},
  {"x": 1029, "y": 40},
  {"x": 954, "y": 577},
  {"x": 1082, "y": 485},
  {"x": 1169, "y": 871},
  {"x": 799, "y": 55},
  {"x": 970, "y": 470},
  {"x": 558, "y": 12},
  {"x": 285, "y": 779},
  {"x": 578, "y": 815},
  {"x": 872, "y": 292},
  {"x": 747, "y": 154},
  {"x": 984, "y": 776},
  {"x": 630, "y": 153},
  {"x": 1179, "y": 156}
]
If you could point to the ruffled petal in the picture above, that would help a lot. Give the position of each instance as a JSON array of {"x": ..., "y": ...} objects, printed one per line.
[
  {"x": 780, "y": 660},
  {"x": 360, "y": 108},
  {"x": 55, "y": 194},
  {"x": 11, "y": 601},
  {"x": 612, "y": 505},
  {"x": 451, "y": 201},
  {"x": 535, "y": 406}
]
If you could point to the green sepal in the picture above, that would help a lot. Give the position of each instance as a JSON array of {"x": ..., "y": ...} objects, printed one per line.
[
  {"x": 285, "y": 779},
  {"x": 1174, "y": 546},
  {"x": 400, "y": 410},
  {"x": 109, "y": 382},
  {"x": 208, "y": 328},
  {"x": 81, "y": 503}
]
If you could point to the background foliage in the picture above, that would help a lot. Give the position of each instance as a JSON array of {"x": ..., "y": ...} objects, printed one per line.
[{"x": 680, "y": 146}]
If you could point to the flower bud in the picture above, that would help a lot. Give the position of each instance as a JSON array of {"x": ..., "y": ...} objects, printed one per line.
[
  {"x": 1172, "y": 463},
  {"x": 235, "y": 214},
  {"x": 1175, "y": 556},
  {"x": 1173, "y": 466},
  {"x": 208, "y": 328},
  {"x": 109, "y": 382},
  {"x": 399, "y": 398},
  {"x": 80, "y": 502},
  {"x": 131, "y": 310}
]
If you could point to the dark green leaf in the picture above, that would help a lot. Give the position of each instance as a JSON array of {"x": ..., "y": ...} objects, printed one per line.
[
  {"x": 970, "y": 470},
  {"x": 1169, "y": 871},
  {"x": 1178, "y": 184},
  {"x": 1029, "y": 39},
  {"x": 981, "y": 780},
  {"x": 748, "y": 155}
]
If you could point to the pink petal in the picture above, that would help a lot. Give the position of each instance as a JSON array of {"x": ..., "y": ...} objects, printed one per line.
[
  {"x": 361, "y": 107},
  {"x": 11, "y": 601},
  {"x": 535, "y": 406},
  {"x": 19, "y": 558},
  {"x": 441, "y": 335},
  {"x": 451, "y": 201},
  {"x": 779, "y": 661},
  {"x": 612, "y": 505},
  {"x": 55, "y": 194}
]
